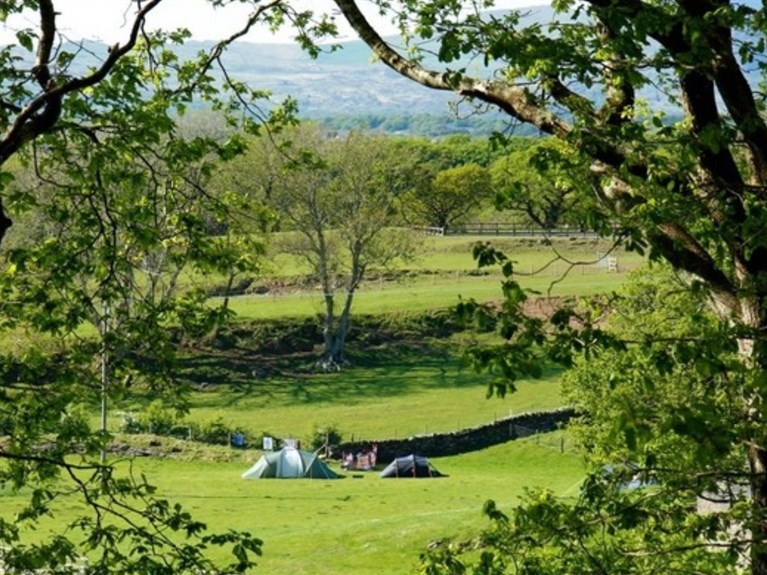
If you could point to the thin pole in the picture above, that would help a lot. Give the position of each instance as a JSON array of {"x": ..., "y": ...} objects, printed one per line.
[{"x": 104, "y": 381}]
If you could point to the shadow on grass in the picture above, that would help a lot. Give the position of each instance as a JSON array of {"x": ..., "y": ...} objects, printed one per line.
[{"x": 382, "y": 371}]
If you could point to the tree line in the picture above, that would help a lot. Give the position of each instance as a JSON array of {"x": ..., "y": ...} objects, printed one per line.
[{"x": 424, "y": 125}]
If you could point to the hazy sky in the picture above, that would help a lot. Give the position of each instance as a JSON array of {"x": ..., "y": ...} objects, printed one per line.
[{"x": 107, "y": 20}]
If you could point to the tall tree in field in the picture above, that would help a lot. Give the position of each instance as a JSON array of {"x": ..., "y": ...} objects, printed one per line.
[
  {"x": 452, "y": 194},
  {"x": 446, "y": 180},
  {"x": 662, "y": 99},
  {"x": 98, "y": 127},
  {"x": 338, "y": 203},
  {"x": 546, "y": 183}
]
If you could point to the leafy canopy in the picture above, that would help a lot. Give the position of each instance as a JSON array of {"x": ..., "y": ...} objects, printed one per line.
[
  {"x": 660, "y": 99},
  {"x": 110, "y": 206}
]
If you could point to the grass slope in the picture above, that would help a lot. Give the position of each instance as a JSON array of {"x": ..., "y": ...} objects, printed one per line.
[
  {"x": 368, "y": 526},
  {"x": 400, "y": 394}
]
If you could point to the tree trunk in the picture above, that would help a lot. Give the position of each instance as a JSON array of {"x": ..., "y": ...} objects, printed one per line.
[
  {"x": 336, "y": 331},
  {"x": 213, "y": 335},
  {"x": 757, "y": 459},
  {"x": 5, "y": 222},
  {"x": 328, "y": 328},
  {"x": 757, "y": 462},
  {"x": 751, "y": 350},
  {"x": 342, "y": 331}
]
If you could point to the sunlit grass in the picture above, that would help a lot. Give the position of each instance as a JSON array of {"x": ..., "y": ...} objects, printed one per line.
[
  {"x": 398, "y": 398},
  {"x": 364, "y": 525},
  {"x": 368, "y": 526},
  {"x": 426, "y": 292},
  {"x": 454, "y": 253}
]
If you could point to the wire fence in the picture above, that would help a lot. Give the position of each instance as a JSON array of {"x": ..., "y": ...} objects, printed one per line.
[
  {"x": 512, "y": 230},
  {"x": 554, "y": 440}
]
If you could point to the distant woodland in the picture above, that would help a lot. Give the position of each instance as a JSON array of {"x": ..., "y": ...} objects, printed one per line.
[{"x": 426, "y": 125}]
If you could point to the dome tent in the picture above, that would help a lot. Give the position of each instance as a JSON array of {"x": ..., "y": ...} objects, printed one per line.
[
  {"x": 410, "y": 466},
  {"x": 290, "y": 463}
]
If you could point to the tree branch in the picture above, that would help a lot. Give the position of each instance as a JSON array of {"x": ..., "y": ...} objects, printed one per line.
[
  {"x": 514, "y": 100},
  {"x": 43, "y": 111},
  {"x": 684, "y": 252}
]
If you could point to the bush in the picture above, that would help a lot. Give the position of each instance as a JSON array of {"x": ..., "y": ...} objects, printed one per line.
[
  {"x": 157, "y": 419},
  {"x": 74, "y": 425},
  {"x": 215, "y": 432},
  {"x": 324, "y": 434}
]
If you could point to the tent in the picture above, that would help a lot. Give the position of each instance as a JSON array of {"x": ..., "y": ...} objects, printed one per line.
[
  {"x": 410, "y": 466},
  {"x": 290, "y": 463}
]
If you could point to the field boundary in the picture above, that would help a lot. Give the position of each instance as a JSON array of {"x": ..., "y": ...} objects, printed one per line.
[
  {"x": 464, "y": 440},
  {"x": 513, "y": 230}
]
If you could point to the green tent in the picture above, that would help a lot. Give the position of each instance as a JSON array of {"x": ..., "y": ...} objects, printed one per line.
[{"x": 290, "y": 463}]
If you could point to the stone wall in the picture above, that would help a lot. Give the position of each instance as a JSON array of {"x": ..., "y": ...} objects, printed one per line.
[{"x": 464, "y": 440}]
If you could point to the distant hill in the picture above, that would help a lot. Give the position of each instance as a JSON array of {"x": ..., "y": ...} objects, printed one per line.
[
  {"x": 346, "y": 89},
  {"x": 344, "y": 82},
  {"x": 347, "y": 84}
]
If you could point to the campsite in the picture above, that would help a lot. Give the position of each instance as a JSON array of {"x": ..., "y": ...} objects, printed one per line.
[
  {"x": 360, "y": 523},
  {"x": 410, "y": 467},
  {"x": 365, "y": 525},
  {"x": 290, "y": 463}
]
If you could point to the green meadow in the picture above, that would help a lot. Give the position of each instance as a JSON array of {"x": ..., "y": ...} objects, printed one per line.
[
  {"x": 445, "y": 271},
  {"x": 421, "y": 294},
  {"x": 381, "y": 402},
  {"x": 359, "y": 524},
  {"x": 362, "y": 524}
]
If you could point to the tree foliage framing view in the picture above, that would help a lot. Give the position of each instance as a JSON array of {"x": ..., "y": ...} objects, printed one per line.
[
  {"x": 94, "y": 143},
  {"x": 674, "y": 396},
  {"x": 689, "y": 190}
]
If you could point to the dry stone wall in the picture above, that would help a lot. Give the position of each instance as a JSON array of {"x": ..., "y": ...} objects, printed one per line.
[{"x": 465, "y": 440}]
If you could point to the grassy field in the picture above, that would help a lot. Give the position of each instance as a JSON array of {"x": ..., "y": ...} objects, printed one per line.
[
  {"x": 396, "y": 398},
  {"x": 361, "y": 525},
  {"x": 366, "y": 525},
  {"x": 421, "y": 294},
  {"x": 454, "y": 253},
  {"x": 444, "y": 271}
]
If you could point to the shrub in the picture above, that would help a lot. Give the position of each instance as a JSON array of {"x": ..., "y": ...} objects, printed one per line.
[
  {"x": 215, "y": 432},
  {"x": 157, "y": 419},
  {"x": 324, "y": 434},
  {"x": 160, "y": 421}
]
